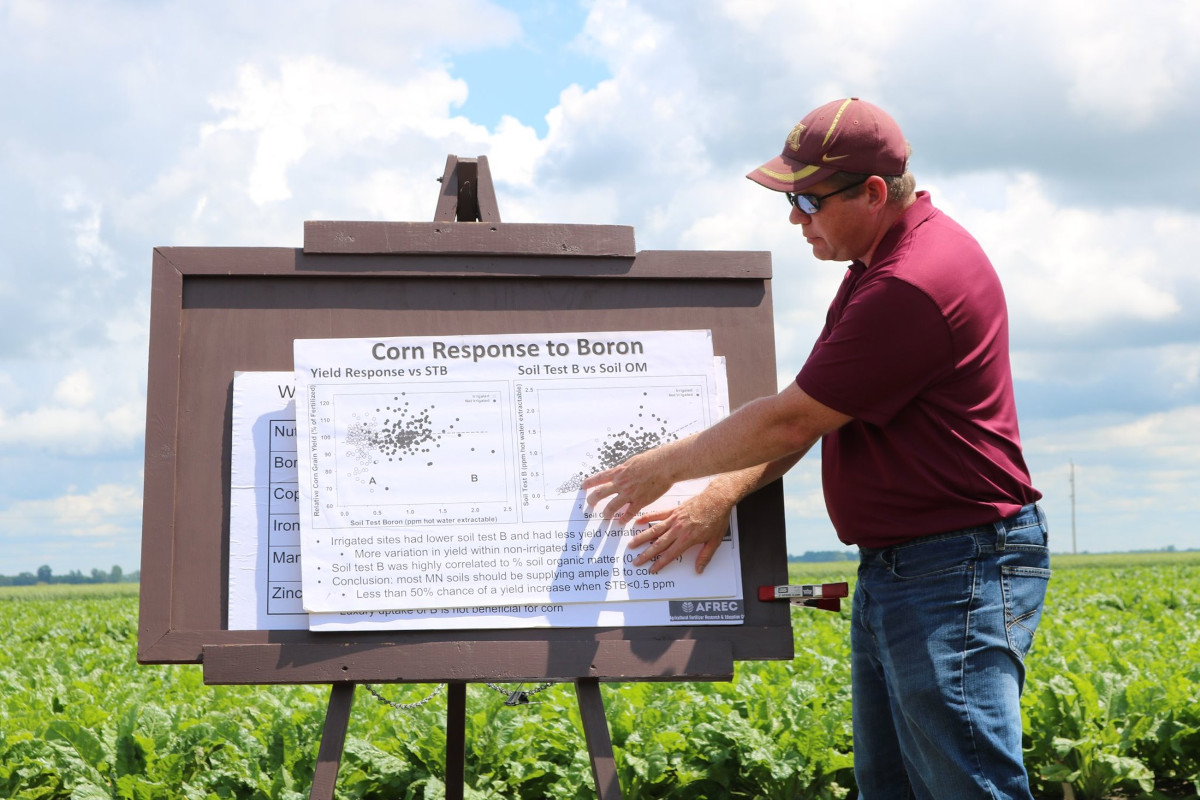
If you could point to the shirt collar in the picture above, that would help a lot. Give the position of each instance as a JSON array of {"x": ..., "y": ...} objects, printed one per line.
[{"x": 913, "y": 216}]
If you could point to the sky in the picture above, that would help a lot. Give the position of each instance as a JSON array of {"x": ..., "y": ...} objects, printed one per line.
[{"x": 1061, "y": 134}]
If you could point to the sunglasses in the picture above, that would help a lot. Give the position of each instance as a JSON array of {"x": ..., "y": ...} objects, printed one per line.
[{"x": 811, "y": 203}]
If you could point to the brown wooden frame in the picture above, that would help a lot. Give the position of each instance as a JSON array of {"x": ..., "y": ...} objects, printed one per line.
[{"x": 216, "y": 310}]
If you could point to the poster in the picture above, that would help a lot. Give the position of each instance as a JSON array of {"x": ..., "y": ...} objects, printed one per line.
[
  {"x": 264, "y": 512},
  {"x": 550, "y": 454},
  {"x": 445, "y": 472}
]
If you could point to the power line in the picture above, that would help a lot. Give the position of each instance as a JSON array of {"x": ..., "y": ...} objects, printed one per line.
[{"x": 1074, "y": 548}]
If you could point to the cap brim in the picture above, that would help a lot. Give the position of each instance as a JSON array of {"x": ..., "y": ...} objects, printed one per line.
[{"x": 787, "y": 175}]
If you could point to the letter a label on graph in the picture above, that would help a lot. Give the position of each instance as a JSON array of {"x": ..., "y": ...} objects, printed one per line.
[{"x": 443, "y": 472}]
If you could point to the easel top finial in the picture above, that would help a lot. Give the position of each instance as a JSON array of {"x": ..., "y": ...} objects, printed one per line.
[{"x": 467, "y": 193}]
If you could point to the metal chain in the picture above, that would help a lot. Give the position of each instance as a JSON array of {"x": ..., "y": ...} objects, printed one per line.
[
  {"x": 405, "y": 706},
  {"x": 519, "y": 697}
]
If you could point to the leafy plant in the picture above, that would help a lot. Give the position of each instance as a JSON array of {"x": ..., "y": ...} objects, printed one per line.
[{"x": 1112, "y": 705}]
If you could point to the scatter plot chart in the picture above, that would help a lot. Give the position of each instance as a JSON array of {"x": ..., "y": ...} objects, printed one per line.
[
  {"x": 648, "y": 431},
  {"x": 572, "y": 432},
  {"x": 418, "y": 449}
]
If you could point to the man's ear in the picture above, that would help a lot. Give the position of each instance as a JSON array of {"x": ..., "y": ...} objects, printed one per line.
[{"x": 876, "y": 192}]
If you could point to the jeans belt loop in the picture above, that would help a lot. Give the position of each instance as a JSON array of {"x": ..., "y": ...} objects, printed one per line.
[{"x": 1001, "y": 534}]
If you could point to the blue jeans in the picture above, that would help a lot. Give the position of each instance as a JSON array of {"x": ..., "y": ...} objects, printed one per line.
[{"x": 940, "y": 629}]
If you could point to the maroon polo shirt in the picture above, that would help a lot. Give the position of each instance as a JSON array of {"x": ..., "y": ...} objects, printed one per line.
[{"x": 915, "y": 349}]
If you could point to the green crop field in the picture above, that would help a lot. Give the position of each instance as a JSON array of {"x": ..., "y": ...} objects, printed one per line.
[{"x": 1112, "y": 709}]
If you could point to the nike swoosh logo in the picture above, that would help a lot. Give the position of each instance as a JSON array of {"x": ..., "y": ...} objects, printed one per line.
[{"x": 828, "y": 158}]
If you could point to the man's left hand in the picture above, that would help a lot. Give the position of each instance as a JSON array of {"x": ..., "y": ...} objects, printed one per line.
[{"x": 701, "y": 520}]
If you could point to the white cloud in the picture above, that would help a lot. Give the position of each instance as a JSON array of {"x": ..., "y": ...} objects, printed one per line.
[
  {"x": 75, "y": 389},
  {"x": 1180, "y": 366},
  {"x": 31, "y": 14},
  {"x": 1067, "y": 267},
  {"x": 92, "y": 251},
  {"x": 1135, "y": 479},
  {"x": 1165, "y": 440},
  {"x": 69, "y": 428},
  {"x": 97, "y": 514},
  {"x": 75, "y": 530},
  {"x": 107, "y": 512},
  {"x": 313, "y": 104},
  {"x": 618, "y": 29},
  {"x": 271, "y": 113},
  {"x": 515, "y": 153},
  {"x": 1124, "y": 63},
  {"x": 92, "y": 407}
]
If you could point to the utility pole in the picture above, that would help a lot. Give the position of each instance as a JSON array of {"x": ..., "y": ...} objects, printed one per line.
[{"x": 1074, "y": 548}]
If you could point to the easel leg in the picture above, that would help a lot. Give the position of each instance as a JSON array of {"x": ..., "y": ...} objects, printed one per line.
[
  {"x": 333, "y": 740},
  {"x": 599, "y": 742},
  {"x": 456, "y": 740}
]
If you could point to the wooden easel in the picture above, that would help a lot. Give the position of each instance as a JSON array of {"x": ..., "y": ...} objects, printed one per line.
[
  {"x": 591, "y": 710},
  {"x": 219, "y": 310},
  {"x": 468, "y": 195}
]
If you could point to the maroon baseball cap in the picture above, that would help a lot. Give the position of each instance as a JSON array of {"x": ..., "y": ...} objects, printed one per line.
[{"x": 848, "y": 135}]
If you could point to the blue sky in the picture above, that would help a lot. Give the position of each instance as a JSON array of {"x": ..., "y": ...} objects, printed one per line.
[
  {"x": 523, "y": 78},
  {"x": 1061, "y": 135}
]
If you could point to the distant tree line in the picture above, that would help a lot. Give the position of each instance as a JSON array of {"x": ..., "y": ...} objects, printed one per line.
[
  {"x": 46, "y": 575},
  {"x": 825, "y": 555},
  {"x": 852, "y": 554}
]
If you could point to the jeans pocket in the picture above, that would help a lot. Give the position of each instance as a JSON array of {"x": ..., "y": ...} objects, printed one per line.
[
  {"x": 1024, "y": 590},
  {"x": 941, "y": 556}
]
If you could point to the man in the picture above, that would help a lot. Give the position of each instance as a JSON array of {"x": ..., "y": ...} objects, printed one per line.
[{"x": 909, "y": 389}]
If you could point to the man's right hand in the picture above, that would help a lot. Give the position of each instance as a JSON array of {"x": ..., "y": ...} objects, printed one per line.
[{"x": 633, "y": 485}]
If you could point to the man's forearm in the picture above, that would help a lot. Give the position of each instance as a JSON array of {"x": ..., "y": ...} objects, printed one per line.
[
  {"x": 751, "y": 447},
  {"x": 760, "y": 433},
  {"x": 736, "y": 486}
]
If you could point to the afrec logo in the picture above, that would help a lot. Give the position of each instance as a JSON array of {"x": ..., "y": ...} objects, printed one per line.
[
  {"x": 710, "y": 606},
  {"x": 719, "y": 610}
]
